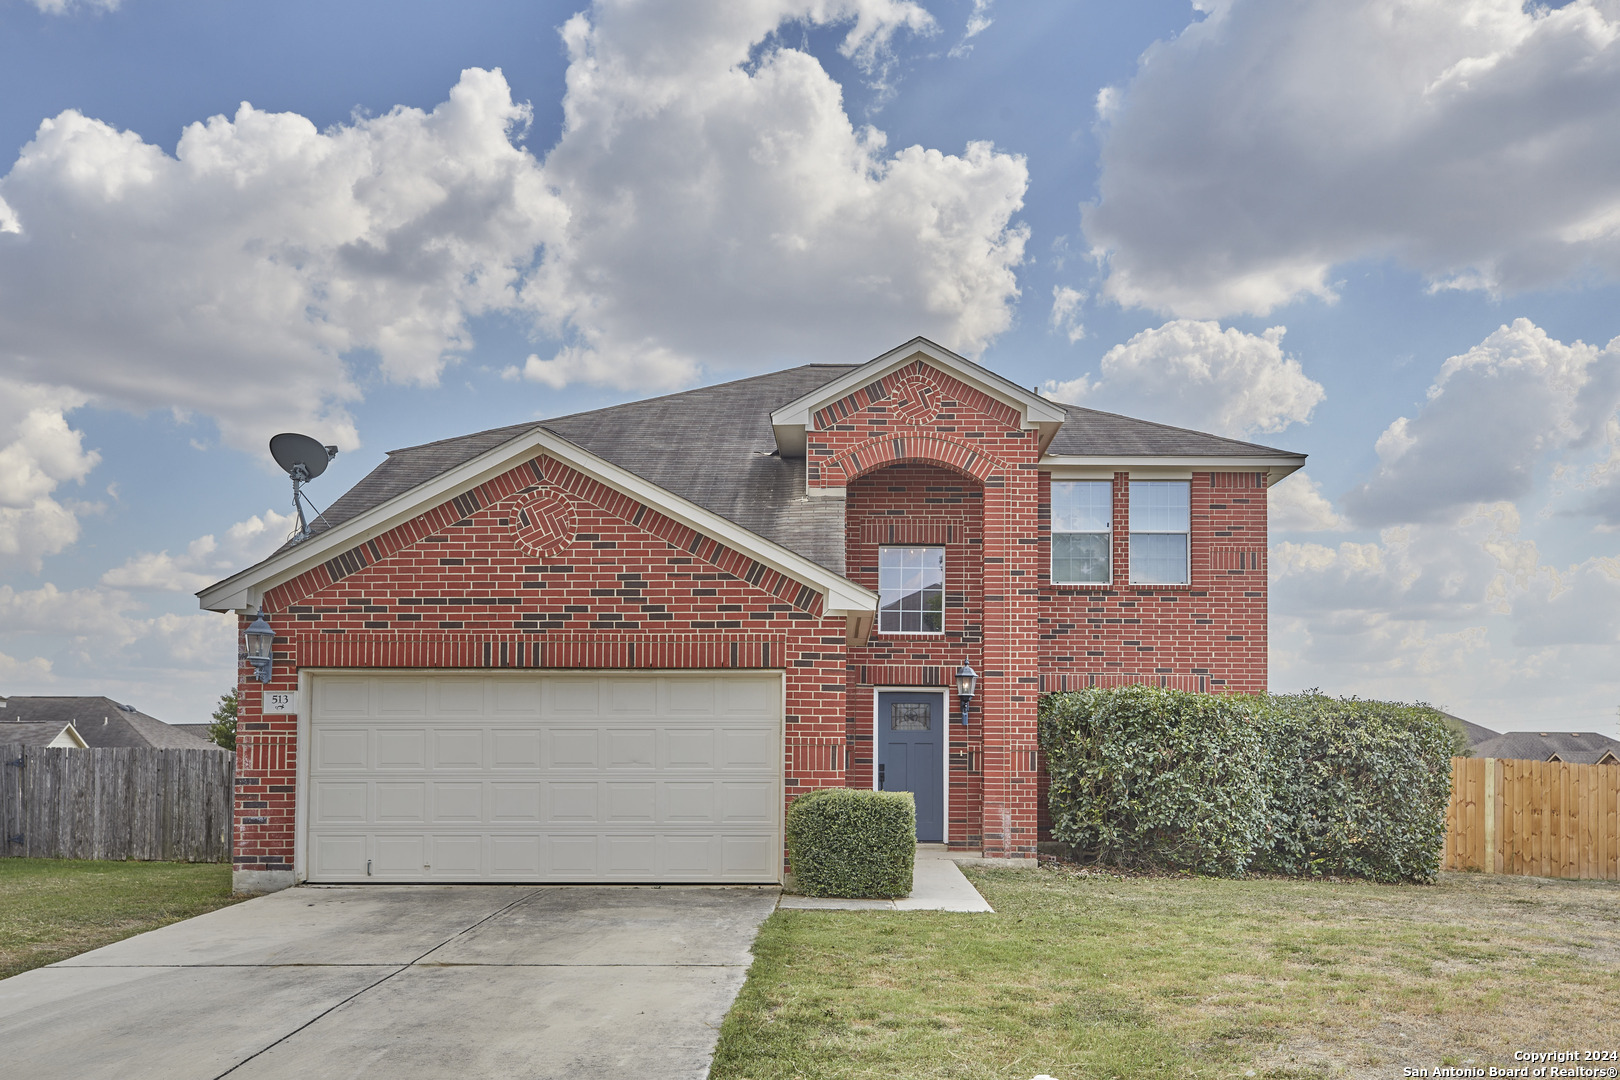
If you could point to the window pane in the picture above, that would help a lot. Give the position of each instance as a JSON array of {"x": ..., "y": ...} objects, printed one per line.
[
  {"x": 1159, "y": 558},
  {"x": 1082, "y": 506},
  {"x": 1160, "y": 505},
  {"x": 911, "y": 590},
  {"x": 1080, "y": 558},
  {"x": 909, "y": 717}
]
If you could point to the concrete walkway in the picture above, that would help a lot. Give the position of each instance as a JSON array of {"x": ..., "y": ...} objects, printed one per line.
[
  {"x": 937, "y": 884},
  {"x": 398, "y": 982}
]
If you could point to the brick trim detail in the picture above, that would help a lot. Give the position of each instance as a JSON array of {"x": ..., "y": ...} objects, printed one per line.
[
  {"x": 660, "y": 651},
  {"x": 874, "y": 454}
]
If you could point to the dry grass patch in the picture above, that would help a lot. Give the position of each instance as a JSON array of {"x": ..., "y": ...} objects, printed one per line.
[
  {"x": 1097, "y": 976},
  {"x": 51, "y": 909}
]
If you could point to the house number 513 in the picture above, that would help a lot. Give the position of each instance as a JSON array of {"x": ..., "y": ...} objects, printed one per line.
[{"x": 280, "y": 701}]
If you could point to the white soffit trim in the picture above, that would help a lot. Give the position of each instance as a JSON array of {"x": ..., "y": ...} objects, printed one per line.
[
  {"x": 1079, "y": 467},
  {"x": 245, "y": 590},
  {"x": 792, "y": 419}
]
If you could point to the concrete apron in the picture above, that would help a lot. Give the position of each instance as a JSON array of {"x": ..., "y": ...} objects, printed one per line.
[
  {"x": 937, "y": 884},
  {"x": 399, "y": 982}
]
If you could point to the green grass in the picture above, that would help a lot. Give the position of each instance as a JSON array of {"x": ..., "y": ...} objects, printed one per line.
[
  {"x": 1095, "y": 976},
  {"x": 51, "y": 909}
]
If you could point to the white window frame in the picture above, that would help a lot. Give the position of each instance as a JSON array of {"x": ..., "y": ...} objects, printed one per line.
[
  {"x": 1186, "y": 579},
  {"x": 1051, "y": 562},
  {"x": 944, "y": 574}
]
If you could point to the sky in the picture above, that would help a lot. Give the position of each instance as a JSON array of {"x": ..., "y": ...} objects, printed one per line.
[{"x": 1385, "y": 233}]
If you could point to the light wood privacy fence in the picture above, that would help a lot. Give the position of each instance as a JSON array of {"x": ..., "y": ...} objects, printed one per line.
[
  {"x": 1543, "y": 818},
  {"x": 116, "y": 803}
]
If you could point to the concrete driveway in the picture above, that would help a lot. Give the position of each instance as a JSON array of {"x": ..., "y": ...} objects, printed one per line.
[{"x": 470, "y": 982}]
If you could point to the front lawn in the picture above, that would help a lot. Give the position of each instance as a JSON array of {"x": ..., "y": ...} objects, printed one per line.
[
  {"x": 51, "y": 909},
  {"x": 1096, "y": 976}
]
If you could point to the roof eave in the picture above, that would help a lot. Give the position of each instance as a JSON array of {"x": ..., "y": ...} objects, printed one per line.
[
  {"x": 1276, "y": 466},
  {"x": 245, "y": 591}
]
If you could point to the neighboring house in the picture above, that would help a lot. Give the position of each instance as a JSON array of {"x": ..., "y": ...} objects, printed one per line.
[
  {"x": 199, "y": 731},
  {"x": 1581, "y": 749},
  {"x": 13, "y": 733},
  {"x": 612, "y": 646},
  {"x": 101, "y": 721},
  {"x": 1474, "y": 733}
]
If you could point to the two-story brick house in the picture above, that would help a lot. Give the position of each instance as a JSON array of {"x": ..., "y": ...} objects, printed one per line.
[{"x": 613, "y": 646}]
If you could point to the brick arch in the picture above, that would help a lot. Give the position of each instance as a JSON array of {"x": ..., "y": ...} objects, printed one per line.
[{"x": 923, "y": 447}]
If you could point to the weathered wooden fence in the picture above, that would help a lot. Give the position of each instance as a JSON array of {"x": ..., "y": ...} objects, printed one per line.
[
  {"x": 116, "y": 803},
  {"x": 1543, "y": 818}
]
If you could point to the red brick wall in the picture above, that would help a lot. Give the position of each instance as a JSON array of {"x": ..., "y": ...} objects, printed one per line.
[{"x": 1209, "y": 635}]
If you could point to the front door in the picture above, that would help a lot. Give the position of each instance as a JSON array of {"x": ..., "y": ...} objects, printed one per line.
[{"x": 911, "y": 739}]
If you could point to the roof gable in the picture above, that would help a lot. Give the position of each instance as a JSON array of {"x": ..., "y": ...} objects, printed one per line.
[{"x": 791, "y": 421}]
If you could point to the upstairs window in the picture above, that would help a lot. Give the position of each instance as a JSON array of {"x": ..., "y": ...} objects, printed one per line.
[
  {"x": 1082, "y": 531},
  {"x": 1161, "y": 515},
  {"x": 911, "y": 590}
]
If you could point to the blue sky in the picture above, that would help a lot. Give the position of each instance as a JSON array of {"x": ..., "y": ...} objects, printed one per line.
[{"x": 1386, "y": 234}]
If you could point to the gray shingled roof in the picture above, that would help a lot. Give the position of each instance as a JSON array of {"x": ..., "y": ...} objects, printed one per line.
[
  {"x": 1088, "y": 432},
  {"x": 100, "y": 720},
  {"x": 1585, "y": 749},
  {"x": 1474, "y": 733},
  {"x": 715, "y": 447},
  {"x": 43, "y": 734}
]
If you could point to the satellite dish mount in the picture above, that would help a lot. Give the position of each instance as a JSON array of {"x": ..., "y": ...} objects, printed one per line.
[{"x": 303, "y": 459}]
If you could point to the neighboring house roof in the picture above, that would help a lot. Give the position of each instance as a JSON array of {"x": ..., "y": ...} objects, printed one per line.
[
  {"x": 1585, "y": 749},
  {"x": 716, "y": 448},
  {"x": 1474, "y": 733},
  {"x": 199, "y": 730},
  {"x": 41, "y": 734},
  {"x": 101, "y": 721}
]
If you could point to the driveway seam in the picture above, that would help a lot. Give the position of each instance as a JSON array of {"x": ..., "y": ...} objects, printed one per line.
[{"x": 364, "y": 989}]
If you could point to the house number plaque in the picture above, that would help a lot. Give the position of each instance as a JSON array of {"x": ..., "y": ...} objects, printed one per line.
[{"x": 280, "y": 701}]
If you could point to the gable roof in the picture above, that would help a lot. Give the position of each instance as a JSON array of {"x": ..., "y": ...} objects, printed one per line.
[
  {"x": 1476, "y": 734},
  {"x": 791, "y": 420},
  {"x": 1584, "y": 749},
  {"x": 13, "y": 733},
  {"x": 100, "y": 721},
  {"x": 716, "y": 450}
]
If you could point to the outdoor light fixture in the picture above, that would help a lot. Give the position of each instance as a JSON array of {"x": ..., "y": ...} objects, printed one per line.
[
  {"x": 966, "y": 680},
  {"x": 259, "y": 636}
]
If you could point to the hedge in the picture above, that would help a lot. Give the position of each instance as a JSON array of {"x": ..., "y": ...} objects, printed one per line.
[
  {"x": 852, "y": 842},
  {"x": 1295, "y": 784}
]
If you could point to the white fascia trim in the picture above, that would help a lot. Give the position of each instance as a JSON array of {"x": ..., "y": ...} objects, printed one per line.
[
  {"x": 1035, "y": 409},
  {"x": 1275, "y": 468},
  {"x": 245, "y": 590}
]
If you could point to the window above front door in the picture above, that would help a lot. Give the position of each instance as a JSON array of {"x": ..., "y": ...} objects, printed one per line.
[{"x": 911, "y": 590}]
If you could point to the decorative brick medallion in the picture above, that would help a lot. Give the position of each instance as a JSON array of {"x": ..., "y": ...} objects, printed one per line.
[
  {"x": 543, "y": 522},
  {"x": 915, "y": 399}
]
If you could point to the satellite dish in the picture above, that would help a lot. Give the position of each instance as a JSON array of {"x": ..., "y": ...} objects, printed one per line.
[{"x": 303, "y": 459}]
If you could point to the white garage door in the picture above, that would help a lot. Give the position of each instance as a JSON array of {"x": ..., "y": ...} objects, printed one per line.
[{"x": 666, "y": 778}]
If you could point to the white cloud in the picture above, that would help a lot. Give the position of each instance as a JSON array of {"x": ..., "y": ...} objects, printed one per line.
[
  {"x": 262, "y": 252},
  {"x": 206, "y": 559},
  {"x": 34, "y": 670},
  {"x": 978, "y": 22},
  {"x": 1298, "y": 505},
  {"x": 1471, "y": 140},
  {"x": 62, "y": 7},
  {"x": 1066, "y": 312},
  {"x": 1494, "y": 419},
  {"x": 722, "y": 208},
  {"x": 43, "y": 453},
  {"x": 1194, "y": 374}
]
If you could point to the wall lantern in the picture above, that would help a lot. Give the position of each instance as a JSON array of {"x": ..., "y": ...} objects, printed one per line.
[
  {"x": 966, "y": 680},
  {"x": 259, "y": 636}
]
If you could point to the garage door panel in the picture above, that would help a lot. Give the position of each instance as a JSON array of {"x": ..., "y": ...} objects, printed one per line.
[
  {"x": 514, "y": 801},
  {"x": 401, "y": 803},
  {"x": 399, "y": 748},
  {"x": 574, "y": 748},
  {"x": 544, "y": 778},
  {"x": 458, "y": 748},
  {"x": 341, "y": 749}
]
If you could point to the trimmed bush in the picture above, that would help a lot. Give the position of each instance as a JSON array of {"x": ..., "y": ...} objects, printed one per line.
[
  {"x": 1358, "y": 788},
  {"x": 1142, "y": 776},
  {"x": 1295, "y": 784},
  {"x": 853, "y": 843}
]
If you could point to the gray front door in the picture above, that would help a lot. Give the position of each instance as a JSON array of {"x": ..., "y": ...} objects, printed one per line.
[{"x": 911, "y": 739}]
